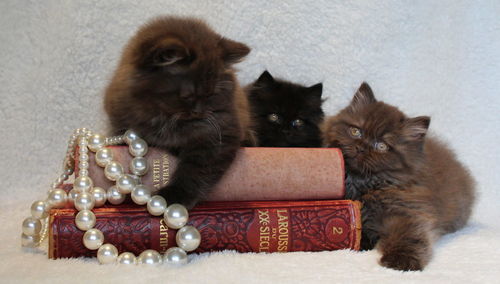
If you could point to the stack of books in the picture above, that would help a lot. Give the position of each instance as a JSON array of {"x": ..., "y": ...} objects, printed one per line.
[{"x": 270, "y": 200}]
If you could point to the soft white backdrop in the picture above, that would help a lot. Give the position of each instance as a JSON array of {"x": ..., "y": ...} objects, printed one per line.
[{"x": 437, "y": 58}]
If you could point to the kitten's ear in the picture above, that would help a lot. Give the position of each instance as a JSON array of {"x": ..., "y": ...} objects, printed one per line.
[
  {"x": 416, "y": 128},
  {"x": 265, "y": 79},
  {"x": 233, "y": 51},
  {"x": 363, "y": 97},
  {"x": 316, "y": 90},
  {"x": 169, "y": 52}
]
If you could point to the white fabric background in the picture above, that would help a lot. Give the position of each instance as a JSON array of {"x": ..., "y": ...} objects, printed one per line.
[{"x": 437, "y": 58}]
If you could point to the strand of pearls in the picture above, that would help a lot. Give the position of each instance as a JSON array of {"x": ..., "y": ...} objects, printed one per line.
[{"x": 85, "y": 196}]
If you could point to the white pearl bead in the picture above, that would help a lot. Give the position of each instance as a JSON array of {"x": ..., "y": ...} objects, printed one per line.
[
  {"x": 83, "y": 149},
  {"x": 130, "y": 136},
  {"x": 96, "y": 142},
  {"x": 157, "y": 205},
  {"x": 29, "y": 241},
  {"x": 141, "y": 194},
  {"x": 83, "y": 142},
  {"x": 150, "y": 257},
  {"x": 175, "y": 256},
  {"x": 103, "y": 157},
  {"x": 176, "y": 216},
  {"x": 72, "y": 195},
  {"x": 125, "y": 184},
  {"x": 188, "y": 238},
  {"x": 113, "y": 170},
  {"x": 126, "y": 258},
  {"x": 114, "y": 140},
  {"x": 83, "y": 165},
  {"x": 107, "y": 254},
  {"x": 136, "y": 178},
  {"x": 139, "y": 166},
  {"x": 31, "y": 226},
  {"x": 100, "y": 196},
  {"x": 83, "y": 157},
  {"x": 83, "y": 172},
  {"x": 93, "y": 239},
  {"x": 83, "y": 183},
  {"x": 138, "y": 147},
  {"x": 85, "y": 220},
  {"x": 39, "y": 209},
  {"x": 115, "y": 197},
  {"x": 84, "y": 201},
  {"x": 57, "y": 198}
]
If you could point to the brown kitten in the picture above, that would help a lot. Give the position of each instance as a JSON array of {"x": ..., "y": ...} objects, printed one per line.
[
  {"x": 412, "y": 187},
  {"x": 175, "y": 86}
]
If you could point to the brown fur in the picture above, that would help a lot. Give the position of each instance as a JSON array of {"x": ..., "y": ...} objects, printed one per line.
[
  {"x": 175, "y": 85},
  {"x": 412, "y": 193},
  {"x": 244, "y": 117}
]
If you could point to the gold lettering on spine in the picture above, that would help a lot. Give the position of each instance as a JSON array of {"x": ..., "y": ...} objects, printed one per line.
[
  {"x": 156, "y": 173},
  {"x": 166, "y": 169},
  {"x": 264, "y": 231},
  {"x": 337, "y": 230},
  {"x": 163, "y": 236},
  {"x": 283, "y": 230}
]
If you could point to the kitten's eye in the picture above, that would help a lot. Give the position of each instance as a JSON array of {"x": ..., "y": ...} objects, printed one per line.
[
  {"x": 381, "y": 146},
  {"x": 355, "y": 132},
  {"x": 274, "y": 118},
  {"x": 298, "y": 123},
  {"x": 164, "y": 59}
]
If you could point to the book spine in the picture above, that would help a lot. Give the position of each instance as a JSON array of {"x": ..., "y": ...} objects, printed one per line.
[
  {"x": 256, "y": 174},
  {"x": 241, "y": 226}
]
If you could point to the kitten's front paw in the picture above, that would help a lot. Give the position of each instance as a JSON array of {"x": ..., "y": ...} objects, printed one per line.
[
  {"x": 177, "y": 195},
  {"x": 366, "y": 244},
  {"x": 402, "y": 261}
]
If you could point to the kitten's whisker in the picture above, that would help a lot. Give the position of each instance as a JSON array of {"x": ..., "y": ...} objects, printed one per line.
[
  {"x": 165, "y": 125},
  {"x": 215, "y": 125},
  {"x": 173, "y": 121},
  {"x": 224, "y": 85},
  {"x": 367, "y": 166}
]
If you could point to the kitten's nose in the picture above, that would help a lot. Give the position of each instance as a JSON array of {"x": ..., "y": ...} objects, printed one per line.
[
  {"x": 196, "y": 110},
  {"x": 360, "y": 149}
]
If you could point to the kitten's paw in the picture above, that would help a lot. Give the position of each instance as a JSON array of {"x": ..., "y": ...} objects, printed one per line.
[
  {"x": 402, "y": 261},
  {"x": 175, "y": 195},
  {"x": 366, "y": 244}
]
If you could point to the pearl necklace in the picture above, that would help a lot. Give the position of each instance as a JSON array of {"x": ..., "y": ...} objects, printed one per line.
[{"x": 85, "y": 196}]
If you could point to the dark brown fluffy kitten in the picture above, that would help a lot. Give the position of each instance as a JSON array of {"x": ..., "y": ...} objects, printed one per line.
[
  {"x": 285, "y": 114},
  {"x": 176, "y": 87},
  {"x": 412, "y": 187}
]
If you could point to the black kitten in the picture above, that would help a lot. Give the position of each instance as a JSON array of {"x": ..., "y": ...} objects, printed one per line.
[{"x": 285, "y": 114}]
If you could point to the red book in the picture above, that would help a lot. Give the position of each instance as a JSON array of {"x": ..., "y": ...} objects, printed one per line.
[
  {"x": 245, "y": 226},
  {"x": 257, "y": 173}
]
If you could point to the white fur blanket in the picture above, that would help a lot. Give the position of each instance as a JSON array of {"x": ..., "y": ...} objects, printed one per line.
[{"x": 437, "y": 58}]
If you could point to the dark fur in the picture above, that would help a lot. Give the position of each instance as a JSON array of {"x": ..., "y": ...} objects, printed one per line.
[
  {"x": 290, "y": 102},
  {"x": 176, "y": 87},
  {"x": 412, "y": 193}
]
